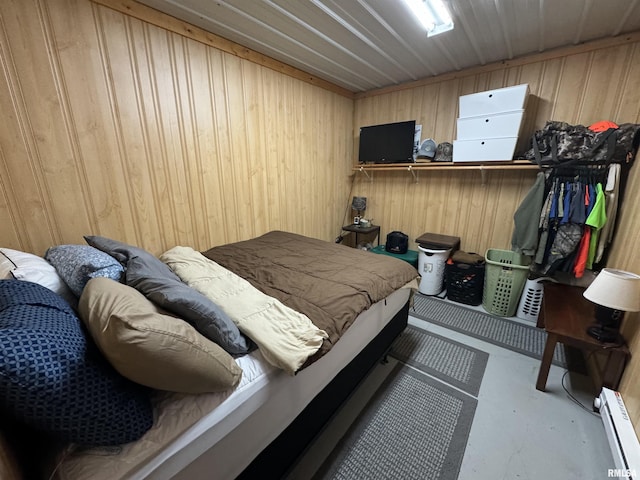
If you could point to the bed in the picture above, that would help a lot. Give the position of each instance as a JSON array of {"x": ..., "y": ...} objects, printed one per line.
[{"x": 359, "y": 301}]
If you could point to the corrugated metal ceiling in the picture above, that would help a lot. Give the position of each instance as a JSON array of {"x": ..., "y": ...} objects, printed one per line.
[{"x": 367, "y": 44}]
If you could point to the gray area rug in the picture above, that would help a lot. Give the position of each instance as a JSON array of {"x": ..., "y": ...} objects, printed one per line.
[
  {"x": 452, "y": 362},
  {"x": 414, "y": 427},
  {"x": 506, "y": 333}
]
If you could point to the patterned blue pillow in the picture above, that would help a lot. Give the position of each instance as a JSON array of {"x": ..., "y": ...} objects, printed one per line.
[
  {"x": 55, "y": 380},
  {"x": 77, "y": 264}
]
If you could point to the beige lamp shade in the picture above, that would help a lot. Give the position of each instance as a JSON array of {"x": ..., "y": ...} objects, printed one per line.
[{"x": 615, "y": 289}]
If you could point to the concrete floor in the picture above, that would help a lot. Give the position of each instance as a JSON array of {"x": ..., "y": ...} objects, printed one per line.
[{"x": 517, "y": 433}]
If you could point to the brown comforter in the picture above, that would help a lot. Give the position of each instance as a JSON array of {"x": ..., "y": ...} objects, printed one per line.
[{"x": 331, "y": 284}]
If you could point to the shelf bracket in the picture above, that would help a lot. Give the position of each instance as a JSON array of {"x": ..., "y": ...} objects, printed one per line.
[
  {"x": 483, "y": 175},
  {"x": 413, "y": 172},
  {"x": 370, "y": 177}
]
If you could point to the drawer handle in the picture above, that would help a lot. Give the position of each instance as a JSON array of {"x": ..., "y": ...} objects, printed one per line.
[
  {"x": 490, "y": 95},
  {"x": 487, "y": 120},
  {"x": 481, "y": 143}
]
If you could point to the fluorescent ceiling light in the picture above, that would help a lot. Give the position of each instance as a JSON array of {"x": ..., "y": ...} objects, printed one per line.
[{"x": 432, "y": 14}]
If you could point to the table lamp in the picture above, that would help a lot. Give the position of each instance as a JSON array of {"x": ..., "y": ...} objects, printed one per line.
[
  {"x": 614, "y": 292},
  {"x": 359, "y": 204}
]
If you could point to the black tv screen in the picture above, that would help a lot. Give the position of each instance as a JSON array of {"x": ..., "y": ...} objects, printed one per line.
[{"x": 388, "y": 143}]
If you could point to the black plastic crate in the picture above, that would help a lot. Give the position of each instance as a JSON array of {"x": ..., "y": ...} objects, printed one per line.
[{"x": 464, "y": 282}]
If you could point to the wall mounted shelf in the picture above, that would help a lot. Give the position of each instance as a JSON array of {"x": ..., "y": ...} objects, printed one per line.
[
  {"x": 414, "y": 168},
  {"x": 512, "y": 165}
]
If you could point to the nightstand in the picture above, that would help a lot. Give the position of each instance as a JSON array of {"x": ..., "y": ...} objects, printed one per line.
[
  {"x": 358, "y": 230},
  {"x": 565, "y": 315}
]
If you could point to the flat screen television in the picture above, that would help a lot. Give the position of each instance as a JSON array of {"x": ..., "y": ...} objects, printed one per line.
[{"x": 387, "y": 143}]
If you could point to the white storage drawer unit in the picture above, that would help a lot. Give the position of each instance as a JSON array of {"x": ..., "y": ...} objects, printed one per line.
[
  {"x": 490, "y": 126},
  {"x": 481, "y": 150},
  {"x": 494, "y": 101}
]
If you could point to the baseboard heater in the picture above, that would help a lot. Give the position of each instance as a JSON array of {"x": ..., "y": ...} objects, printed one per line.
[{"x": 620, "y": 434}]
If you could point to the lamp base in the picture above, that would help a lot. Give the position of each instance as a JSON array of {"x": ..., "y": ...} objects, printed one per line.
[{"x": 604, "y": 335}]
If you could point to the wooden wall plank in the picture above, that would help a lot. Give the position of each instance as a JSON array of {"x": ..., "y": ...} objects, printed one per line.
[
  {"x": 132, "y": 131},
  {"x": 172, "y": 24},
  {"x": 629, "y": 105},
  {"x": 53, "y": 190},
  {"x": 79, "y": 43},
  {"x": 128, "y": 119}
]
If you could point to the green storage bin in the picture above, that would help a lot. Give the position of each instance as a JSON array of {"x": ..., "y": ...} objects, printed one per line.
[
  {"x": 411, "y": 257},
  {"x": 505, "y": 275}
]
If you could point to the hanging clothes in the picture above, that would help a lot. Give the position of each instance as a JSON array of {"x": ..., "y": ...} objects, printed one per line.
[
  {"x": 577, "y": 210},
  {"x": 611, "y": 200},
  {"x": 565, "y": 242},
  {"x": 568, "y": 238},
  {"x": 543, "y": 226},
  {"x": 525, "y": 233},
  {"x": 566, "y": 219},
  {"x": 583, "y": 252},
  {"x": 597, "y": 219}
]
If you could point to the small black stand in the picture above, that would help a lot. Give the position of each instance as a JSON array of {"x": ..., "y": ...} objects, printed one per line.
[{"x": 358, "y": 230}]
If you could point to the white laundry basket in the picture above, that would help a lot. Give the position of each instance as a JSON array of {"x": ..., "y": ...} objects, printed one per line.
[
  {"x": 431, "y": 268},
  {"x": 531, "y": 300}
]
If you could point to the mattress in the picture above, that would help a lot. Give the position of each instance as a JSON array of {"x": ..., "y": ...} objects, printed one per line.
[{"x": 215, "y": 436}]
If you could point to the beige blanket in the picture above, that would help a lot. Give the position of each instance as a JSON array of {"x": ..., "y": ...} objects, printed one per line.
[{"x": 286, "y": 338}]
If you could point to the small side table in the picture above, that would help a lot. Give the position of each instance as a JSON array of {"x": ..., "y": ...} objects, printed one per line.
[
  {"x": 358, "y": 230},
  {"x": 566, "y": 314}
]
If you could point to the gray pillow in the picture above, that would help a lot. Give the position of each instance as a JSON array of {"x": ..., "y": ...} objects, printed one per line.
[
  {"x": 77, "y": 264},
  {"x": 147, "y": 274}
]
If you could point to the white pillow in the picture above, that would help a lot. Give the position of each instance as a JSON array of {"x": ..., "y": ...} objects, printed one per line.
[{"x": 32, "y": 268}]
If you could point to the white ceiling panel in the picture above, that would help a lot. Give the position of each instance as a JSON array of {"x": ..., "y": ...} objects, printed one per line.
[{"x": 366, "y": 44}]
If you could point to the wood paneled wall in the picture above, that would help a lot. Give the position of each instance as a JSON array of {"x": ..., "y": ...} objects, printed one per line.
[
  {"x": 624, "y": 255},
  {"x": 117, "y": 127},
  {"x": 582, "y": 87}
]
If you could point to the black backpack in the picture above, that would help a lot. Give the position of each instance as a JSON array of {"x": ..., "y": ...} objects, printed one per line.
[
  {"x": 397, "y": 242},
  {"x": 562, "y": 144}
]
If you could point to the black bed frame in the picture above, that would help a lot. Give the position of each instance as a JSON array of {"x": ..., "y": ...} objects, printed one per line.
[{"x": 276, "y": 459}]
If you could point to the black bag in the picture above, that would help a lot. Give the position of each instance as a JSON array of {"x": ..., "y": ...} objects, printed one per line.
[
  {"x": 559, "y": 143},
  {"x": 397, "y": 242}
]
